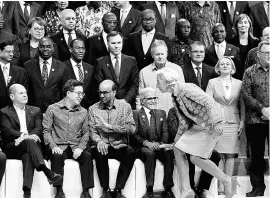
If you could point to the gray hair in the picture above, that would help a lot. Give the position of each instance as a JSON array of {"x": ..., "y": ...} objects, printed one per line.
[
  {"x": 64, "y": 11},
  {"x": 158, "y": 43},
  {"x": 168, "y": 75},
  {"x": 262, "y": 43},
  {"x": 217, "y": 69},
  {"x": 144, "y": 91}
]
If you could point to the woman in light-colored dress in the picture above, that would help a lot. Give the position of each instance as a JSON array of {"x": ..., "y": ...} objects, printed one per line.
[
  {"x": 226, "y": 90},
  {"x": 200, "y": 122}
]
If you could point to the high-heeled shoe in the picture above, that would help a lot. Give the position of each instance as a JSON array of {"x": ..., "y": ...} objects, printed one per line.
[{"x": 230, "y": 190}]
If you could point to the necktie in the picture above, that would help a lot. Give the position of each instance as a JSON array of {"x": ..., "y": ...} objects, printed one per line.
[
  {"x": 162, "y": 13},
  {"x": 219, "y": 53},
  {"x": 44, "y": 73},
  {"x": 80, "y": 72},
  {"x": 122, "y": 20},
  {"x": 199, "y": 76},
  {"x": 117, "y": 68},
  {"x": 153, "y": 132},
  {"x": 232, "y": 10},
  {"x": 5, "y": 72},
  {"x": 25, "y": 12},
  {"x": 69, "y": 38}
]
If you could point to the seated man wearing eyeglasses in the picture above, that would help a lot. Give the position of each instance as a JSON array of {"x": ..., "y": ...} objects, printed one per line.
[
  {"x": 151, "y": 132},
  {"x": 111, "y": 121},
  {"x": 66, "y": 132}
]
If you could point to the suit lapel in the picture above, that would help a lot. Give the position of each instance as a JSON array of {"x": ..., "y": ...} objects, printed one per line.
[
  {"x": 38, "y": 71},
  {"x": 157, "y": 118},
  {"x": 221, "y": 90},
  {"x": 228, "y": 50},
  {"x": 233, "y": 89},
  {"x": 213, "y": 51},
  {"x": 71, "y": 71},
  {"x": 28, "y": 116},
  {"x": 264, "y": 13},
  {"x": 155, "y": 8},
  {"x": 192, "y": 73},
  {"x": 149, "y": 49},
  {"x": 32, "y": 11},
  {"x": 122, "y": 67},
  {"x": 62, "y": 38},
  {"x": 111, "y": 68},
  {"x": 2, "y": 77},
  {"x": 144, "y": 118},
  {"x": 86, "y": 74},
  {"x": 19, "y": 8},
  {"x": 139, "y": 42},
  {"x": 14, "y": 115},
  {"x": 53, "y": 71},
  {"x": 128, "y": 18}
]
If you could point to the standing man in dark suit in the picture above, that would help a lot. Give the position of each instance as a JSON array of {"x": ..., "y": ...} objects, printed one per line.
[
  {"x": 221, "y": 48},
  {"x": 81, "y": 71},
  {"x": 21, "y": 127},
  {"x": 128, "y": 18},
  {"x": 167, "y": 16},
  {"x": 229, "y": 11},
  {"x": 259, "y": 15},
  {"x": 67, "y": 34},
  {"x": 45, "y": 76},
  {"x": 97, "y": 45},
  {"x": 9, "y": 73},
  {"x": 195, "y": 71},
  {"x": 138, "y": 43},
  {"x": 151, "y": 132},
  {"x": 23, "y": 12},
  {"x": 119, "y": 68}
]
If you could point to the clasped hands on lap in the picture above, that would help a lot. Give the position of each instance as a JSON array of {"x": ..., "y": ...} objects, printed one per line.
[{"x": 26, "y": 136}]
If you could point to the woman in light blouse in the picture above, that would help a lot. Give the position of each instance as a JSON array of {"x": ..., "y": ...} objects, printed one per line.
[{"x": 226, "y": 90}]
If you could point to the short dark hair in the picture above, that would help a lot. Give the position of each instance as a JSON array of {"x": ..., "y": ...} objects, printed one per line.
[
  {"x": 113, "y": 33},
  {"x": 5, "y": 43},
  {"x": 114, "y": 87},
  {"x": 70, "y": 85},
  {"x": 73, "y": 41},
  {"x": 199, "y": 43}
]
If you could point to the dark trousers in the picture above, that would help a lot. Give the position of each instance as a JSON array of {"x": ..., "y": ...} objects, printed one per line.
[
  {"x": 257, "y": 134},
  {"x": 149, "y": 158},
  {"x": 30, "y": 154},
  {"x": 85, "y": 164},
  {"x": 205, "y": 178},
  {"x": 126, "y": 157},
  {"x": 3, "y": 160}
]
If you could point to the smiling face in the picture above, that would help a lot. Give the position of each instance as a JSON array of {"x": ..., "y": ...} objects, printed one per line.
[
  {"x": 264, "y": 55},
  {"x": 243, "y": 25},
  {"x": 75, "y": 96},
  {"x": 197, "y": 53},
  {"x": 225, "y": 66},
  {"x": 150, "y": 100},
  {"x": 219, "y": 33},
  {"x": 37, "y": 31}
]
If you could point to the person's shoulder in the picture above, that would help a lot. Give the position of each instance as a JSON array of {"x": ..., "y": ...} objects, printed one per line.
[
  {"x": 33, "y": 108},
  {"x": 95, "y": 37},
  {"x": 129, "y": 57}
]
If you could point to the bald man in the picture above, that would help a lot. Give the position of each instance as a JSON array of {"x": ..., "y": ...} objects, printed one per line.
[
  {"x": 110, "y": 137},
  {"x": 221, "y": 48},
  {"x": 45, "y": 76},
  {"x": 21, "y": 127},
  {"x": 67, "y": 34}
]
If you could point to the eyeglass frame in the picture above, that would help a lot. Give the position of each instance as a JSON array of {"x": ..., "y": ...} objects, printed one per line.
[
  {"x": 151, "y": 98},
  {"x": 265, "y": 53},
  {"x": 111, "y": 22},
  {"x": 79, "y": 93},
  {"x": 105, "y": 93}
]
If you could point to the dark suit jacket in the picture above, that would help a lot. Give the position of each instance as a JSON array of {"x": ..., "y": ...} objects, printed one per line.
[
  {"x": 172, "y": 16},
  {"x": 132, "y": 22},
  {"x": 88, "y": 87},
  {"x": 10, "y": 124},
  {"x": 62, "y": 46},
  {"x": 259, "y": 19},
  {"x": 127, "y": 88},
  {"x": 25, "y": 52},
  {"x": 211, "y": 58},
  {"x": 7, "y": 36},
  {"x": 240, "y": 8},
  {"x": 190, "y": 76},
  {"x": 96, "y": 48},
  {"x": 40, "y": 95},
  {"x": 133, "y": 47},
  {"x": 18, "y": 76},
  {"x": 20, "y": 22},
  {"x": 143, "y": 128},
  {"x": 7, "y": 12}
]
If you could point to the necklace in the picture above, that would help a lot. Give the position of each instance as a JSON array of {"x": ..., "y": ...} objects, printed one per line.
[{"x": 226, "y": 82}]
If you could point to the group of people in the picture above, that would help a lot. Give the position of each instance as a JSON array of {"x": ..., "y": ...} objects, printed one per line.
[{"x": 164, "y": 81}]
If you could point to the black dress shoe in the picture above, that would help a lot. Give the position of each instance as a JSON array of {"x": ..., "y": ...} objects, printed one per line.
[
  {"x": 85, "y": 194},
  {"x": 27, "y": 195},
  {"x": 60, "y": 194},
  {"x": 119, "y": 195},
  {"x": 106, "y": 194},
  {"x": 200, "y": 194},
  {"x": 148, "y": 195},
  {"x": 55, "y": 178},
  {"x": 167, "y": 194},
  {"x": 255, "y": 193}
]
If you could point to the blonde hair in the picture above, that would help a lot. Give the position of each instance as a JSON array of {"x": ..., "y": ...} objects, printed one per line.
[
  {"x": 168, "y": 74},
  {"x": 217, "y": 69}
]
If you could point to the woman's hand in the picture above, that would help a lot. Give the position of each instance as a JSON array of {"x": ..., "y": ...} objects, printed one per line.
[{"x": 241, "y": 128}]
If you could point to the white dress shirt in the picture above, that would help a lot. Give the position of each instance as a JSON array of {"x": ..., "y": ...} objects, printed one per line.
[
  {"x": 147, "y": 112},
  {"x": 22, "y": 6},
  {"x": 22, "y": 119},
  {"x": 113, "y": 59},
  {"x": 5, "y": 72},
  {"x": 229, "y": 5},
  {"x": 73, "y": 35},
  {"x": 49, "y": 65},
  {"x": 222, "y": 48},
  {"x": 159, "y": 7},
  {"x": 1, "y": 5},
  {"x": 76, "y": 69},
  {"x": 147, "y": 38},
  {"x": 124, "y": 13},
  {"x": 104, "y": 36},
  {"x": 195, "y": 70},
  {"x": 227, "y": 89}
]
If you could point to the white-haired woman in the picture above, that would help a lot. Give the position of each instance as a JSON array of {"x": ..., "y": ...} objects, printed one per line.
[
  {"x": 200, "y": 123},
  {"x": 226, "y": 90}
]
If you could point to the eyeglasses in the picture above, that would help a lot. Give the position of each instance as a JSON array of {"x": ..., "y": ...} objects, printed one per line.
[
  {"x": 38, "y": 29},
  {"x": 265, "y": 53},
  {"x": 105, "y": 93},
  {"x": 197, "y": 52},
  {"x": 149, "y": 19},
  {"x": 111, "y": 22},
  {"x": 79, "y": 93},
  {"x": 151, "y": 98}
]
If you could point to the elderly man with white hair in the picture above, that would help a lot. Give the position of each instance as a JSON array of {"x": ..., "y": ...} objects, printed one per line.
[
  {"x": 148, "y": 75},
  {"x": 151, "y": 132},
  {"x": 67, "y": 34}
]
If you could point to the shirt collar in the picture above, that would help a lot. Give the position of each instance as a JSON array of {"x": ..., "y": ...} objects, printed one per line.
[
  {"x": 104, "y": 34},
  {"x": 73, "y": 63},
  {"x": 7, "y": 65},
  {"x": 113, "y": 56},
  {"x": 195, "y": 66},
  {"x": 18, "y": 109},
  {"x": 154, "y": 68},
  {"x": 127, "y": 10},
  {"x": 258, "y": 65},
  {"x": 66, "y": 32},
  {"x": 103, "y": 107},
  {"x": 146, "y": 110},
  {"x": 62, "y": 104},
  {"x": 206, "y": 3},
  {"x": 41, "y": 61},
  {"x": 151, "y": 32},
  {"x": 222, "y": 44},
  {"x": 265, "y": 3}
]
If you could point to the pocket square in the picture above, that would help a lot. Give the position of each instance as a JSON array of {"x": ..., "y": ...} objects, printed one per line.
[
  {"x": 130, "y": 22},
  {"x": 161, "y": 119},
  {"x": 173, "y": 16}
]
